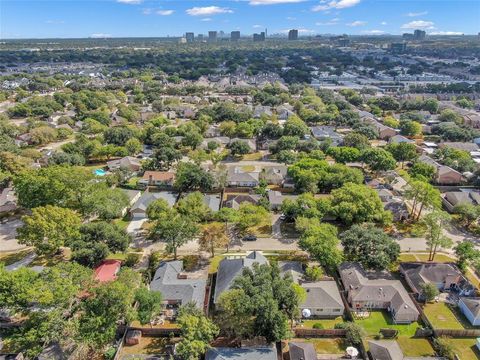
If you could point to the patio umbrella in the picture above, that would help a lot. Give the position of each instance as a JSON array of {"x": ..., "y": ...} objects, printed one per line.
[
  {"x": 352, "y": 352},
  {"x": 306, "y": 313}
]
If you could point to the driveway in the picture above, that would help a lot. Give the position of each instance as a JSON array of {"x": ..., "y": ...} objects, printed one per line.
[
  {"x": 135, "y": 225},
  {"x": 8, "y": 234}
]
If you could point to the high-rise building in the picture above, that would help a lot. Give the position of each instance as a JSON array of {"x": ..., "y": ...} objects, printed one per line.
[
  {"x": 398, "y": 47},
  {"x": 419, "y": 34},
  {"x": 212, "y": 36},
  {"x": 200, "y": 37},
  {"x": 235, "y": 35},
  {"x": 190, "y": 36},
  {"x": 259, "y": 37},
  {"x": 293, "y": 34}
]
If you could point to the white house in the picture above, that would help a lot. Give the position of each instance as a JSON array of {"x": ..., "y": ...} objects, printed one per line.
[{"x": 471, "y": 309}]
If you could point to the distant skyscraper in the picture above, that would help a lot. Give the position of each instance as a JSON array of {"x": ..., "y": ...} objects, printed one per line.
[
  {"x": 235, "y": 35},
  {"x": 259, "y": 37},
  {"x": 212, "y": 36},
  {"x": 190, "y": 36},
  {"x": 200, "y": 37},
  {"x": 419, "y": 34},
  {"x": 293, "y": 34}
]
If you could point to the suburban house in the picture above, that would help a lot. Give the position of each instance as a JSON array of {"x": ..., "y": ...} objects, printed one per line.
[
  {"x": 175, "y": 286},
  {"x": 471, "y": 309},
  {"x": 397, "y": 139},
  {"x": 301, "y": 351},
  {"x": 157, "y": 178},
  {"x": 323, "y": 299},
  {"x": 237, "y": 177},
  {"x": 133, "y": 196},
  {"x": 251, "y": 143},
  {"x": 446, "y": 276},
  {"x": 234, "y": 201},
  {"x": 377, "y": 290},
  {"x": 385, "y": 350},
  {"x": 464, "y": 146},
  {"x": 275, "y": 198},
  {"x": 213, "y": 201},
  {"x": 274, "y": 175},
  {"x": 107, "y": 270},
  {"x": 260, "y": 110},
  {"x": 453, "y": 198},
  {"x": 242, "y": 353},
  {"x": 327, "y": 132},
  {"x": 445, "y": 174},
  {"x": 384, "y": 132},
  {"x": 139, "y": 209},
  {"x": 221, "y": 141},
  {"x": 230, "y": 268}
]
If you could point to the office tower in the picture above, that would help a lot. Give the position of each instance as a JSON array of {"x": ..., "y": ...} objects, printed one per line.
[
  {"x": 190, "y": 36},
  {"x": 235, "y": 35},
  {"x": 293, "y": 34},
  {"x": 259, "y": 37},
  {"x": 200, "y": 37},
  {"x": 419, "y": 34},
  {"x": 212, "y": 36}
]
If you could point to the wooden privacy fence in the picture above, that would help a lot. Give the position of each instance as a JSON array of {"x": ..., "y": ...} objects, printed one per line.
[
  {"x": 309, "y": 333},
  {"x": 474, "y": 333}
]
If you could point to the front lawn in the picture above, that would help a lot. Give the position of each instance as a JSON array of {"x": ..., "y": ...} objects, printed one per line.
[
  {"x": 253, "y": 156},
  {"x": 382, "y": 320},
  {"x": 442, "y": 316},
  {"x": 326, "y": 323}
]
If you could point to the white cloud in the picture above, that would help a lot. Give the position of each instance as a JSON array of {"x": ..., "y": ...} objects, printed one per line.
[
  {"x": 357, "y": 23},
  {"x": 147, "y": 11},
  {"x": 258, "y": 26},
  {"x": 206, "y": 19},
  {"x": 415, "y": 14},
  {"x": 100, "y": 36},
  {"x": 328, "y": 23},
  {"x": 383, "y": 23},
  {"x": 130, "y": 2},
  {"x": 291, "y": 18},
  {"x": 373, "y": 32},
  {"x": 164, "y": 12},
  {"x": 273, "y": 2},
  {"x": 208, "y": 10},
  {"x": 446, "y": 33},
  {"x": 418, "y": 24},
  {"x": 336, "y": 4}
]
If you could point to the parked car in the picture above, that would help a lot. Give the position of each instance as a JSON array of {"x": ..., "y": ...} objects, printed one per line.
[{"x": 250, "y": 237}]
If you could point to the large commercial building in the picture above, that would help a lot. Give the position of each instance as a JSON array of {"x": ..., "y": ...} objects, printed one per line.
[
  {"x": 293, "y": 34},
  {"x": 212, "y": 36},
  {"x": 235, "y": 35},
  {"x": 259, "y": 37},
  {"x": 190, "y": 36}
]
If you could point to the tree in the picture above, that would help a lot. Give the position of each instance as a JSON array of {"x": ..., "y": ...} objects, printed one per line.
[
  {"x": 422, "y": 171},
  {"x": 197, "y": 333},
  {"x": 149, "y": 304},
  {"x": 435, "y": 222},
  {"x": 313, "y": 273},
  {"x": 111, "y": 234},
  {"x": 378, "y": 159},
  {"x": 49, "y": 228},
  {"x": 118, "y": 135},
  {"x": 422, "y": 194},
  {"x": 466, "y": 254},
  {"x": 295, "y": 126},
  {"x": 239, "y": 147},
  {"x": 174, "y": 229},
  {"x": 321, "y": 242},
  {"x": 370, "y": 246},
  {"x": 305, "y": 205},
  {"x": 467, "y": 213},
  {"x": 234, "y": 314},
  {"x": 192, "y": 177},
  {"x": 356, "y": 140},
  {"x": 355, "y": 203},
  {"x": 133, "y": 146},
  {"x": 249, "y": 216},
  {"x": 344, "y": 154},
  {"x": 410, "y": 128},
  {"x": 444, "y": 348},
  {"x": 213, "y": 236},
  {"x": 429, "y": 291},
  {"x": 403, "y": 152},
  {"x": 354, "y": 332},
  {"x": 194, "y": 207},
  {"x": 104, "y": 202},
  {"x": 391, "y": 122},
  {"x": 163, "y": 158},
  {"x": 157, "y": 208}
]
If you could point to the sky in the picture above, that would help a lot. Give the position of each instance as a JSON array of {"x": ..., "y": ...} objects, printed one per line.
[{"x": 152, "y": 18}]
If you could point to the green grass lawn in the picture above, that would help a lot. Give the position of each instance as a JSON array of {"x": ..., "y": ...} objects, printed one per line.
[
  {"x": 327, "y": 345},
  {"x": 405, "y": 257},
  {"x": 465, "y": 348},
  {"x": 415, "y": 347},
  {"x": 253, "y": 156},
  {"x": 382, "y": 320},
  {"x": 440, "y": 258},
  {"x": 326, "y": 323},
  {"x": 123, "y": 222},
  {"x": 214, "y": 262},
  {"x": 443, "y": 317}
]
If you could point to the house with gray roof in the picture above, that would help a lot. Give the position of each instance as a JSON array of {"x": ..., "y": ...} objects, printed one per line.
[
  {"x": 236, "y": 176},
  {"x": 129, "y": 163},
  {"x": 234, "y": 201},
  {"x": 323, "y": 299},
  {"x": 464, "y": 146},
  {"x": 445, "y": 276},
  {"x": 301, "y": 351},
  {"x": 213, "y": 201},
  {"x": 390, "y": 350},
  {"x": 230, "y": 268},
  {"x": 175, "y": 286},
  {"x": 327, "y": 132},
  {"x": 470, "y": 307},
  {"x": 243, "y": 353},
  {"x": 397, "y": 139},
  {"x": 445, "y": 174},
  {"x": 451, "y": 199},
  {"x": 139, "y": 209},
  {"x": 377, "y": 291}
]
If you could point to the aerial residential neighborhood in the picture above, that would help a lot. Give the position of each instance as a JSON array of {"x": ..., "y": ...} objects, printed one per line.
[{"x": 303, "y": 186}]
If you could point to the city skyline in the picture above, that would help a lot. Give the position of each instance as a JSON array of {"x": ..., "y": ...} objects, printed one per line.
[{"x": 147, "y": 18}]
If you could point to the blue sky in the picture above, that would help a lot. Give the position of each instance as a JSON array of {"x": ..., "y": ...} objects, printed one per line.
[{"x": 136, "y": 18}]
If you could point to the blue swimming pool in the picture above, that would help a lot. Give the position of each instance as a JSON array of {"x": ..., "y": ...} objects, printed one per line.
[{"x": 100, "y": 172}]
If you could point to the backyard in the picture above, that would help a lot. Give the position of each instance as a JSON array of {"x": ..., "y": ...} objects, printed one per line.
[
  {"x": 326, "y": 345},
  {"x": 146, "y": 346},
  {"x": 443, "y": 316},
  {"x": 326, "y": 323},
  {"x": 465, "y": 348}
]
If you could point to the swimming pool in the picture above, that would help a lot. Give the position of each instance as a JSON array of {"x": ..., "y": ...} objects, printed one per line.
[{"x": 100, "y": 172}]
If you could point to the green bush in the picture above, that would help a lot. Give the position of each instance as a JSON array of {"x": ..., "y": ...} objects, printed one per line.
[
  {"x": 317, "y": 326},
  {"x": 190, "y": 262},
  {"x": 132, "y": 259}
]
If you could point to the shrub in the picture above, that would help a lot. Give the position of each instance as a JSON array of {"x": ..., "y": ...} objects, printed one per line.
[
  {"x": 190, "y": 262},
  {"x": 317, "y": 326},
  {"x": 132, "y": 259}
]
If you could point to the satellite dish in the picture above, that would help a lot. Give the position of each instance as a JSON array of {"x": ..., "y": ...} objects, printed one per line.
[
  {"x": 306, "y": 313},
  {"x": 352, "y": 352}
]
